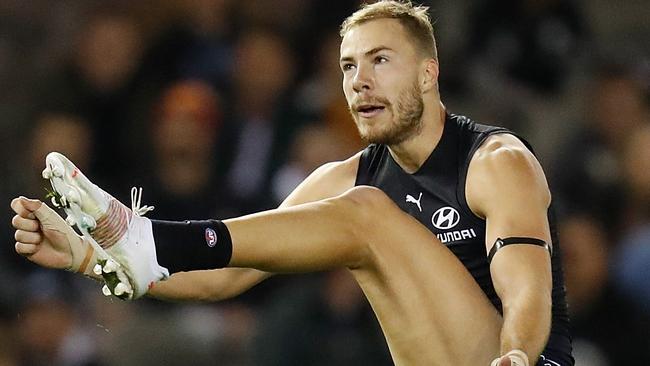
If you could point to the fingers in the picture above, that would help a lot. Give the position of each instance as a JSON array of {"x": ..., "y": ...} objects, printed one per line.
[
  {"x": 26, "y": 249},
  {"x": 25, "y": 207},
  {"x": 35, "y": 210},
  {"x": 28, "y": 237},
  {"x": 27, "y": 242},
  {"x": 21, "y": 223},
  {"x": 27, "y": 233}
]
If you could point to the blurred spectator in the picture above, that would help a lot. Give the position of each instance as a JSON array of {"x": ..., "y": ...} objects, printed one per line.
[
  {"x": 68, "y": 134},
  {"x": 194, "y": 43},
  {"x": 607, "y": 329},
  {"x": 108, "y": 52},
  {"x": 632, "y": 266},
  {"x": 632, "y": 260},
  {"x": 100, "y": 82},
  {"x": 209, "y": 54},
  {"x": 289, "y": 17},
  {"x": 313, "y": 146},
  {"x": 636, "y": 160},
  {"x": 52, "y": 131},
  {"x": 34, "y": 37},
  {"x": 324, "y": 84},
  {"x": 321, "y": 320},
  {"x": 320, "y": 97},
  {"x": 260, "y": 125},
  {"x": 185, "y": 130},
  {"x": 589, "y": 173},
  {"x": 184, "y": 181},
  {"x": 515, "y": 69},
  {"x": 532, "y": 42}
]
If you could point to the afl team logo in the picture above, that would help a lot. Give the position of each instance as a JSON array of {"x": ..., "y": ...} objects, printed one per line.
[
  {"x": 445, "y": 218},
  {"x": 210, "y": 237}
]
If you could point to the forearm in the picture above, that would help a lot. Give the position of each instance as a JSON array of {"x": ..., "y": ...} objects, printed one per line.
[
  {"x": 526, "y": 323},
  {"x": 209, "y": 285}
]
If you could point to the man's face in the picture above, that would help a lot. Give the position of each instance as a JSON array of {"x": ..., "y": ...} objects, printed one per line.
[{"x": 380, "y": 80}]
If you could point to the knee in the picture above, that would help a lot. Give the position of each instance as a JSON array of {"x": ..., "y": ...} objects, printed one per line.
[
  {"x": 366, "y": 196},
  {"x": 362, "y": 214},
  {"x": 365, "y": 205}
]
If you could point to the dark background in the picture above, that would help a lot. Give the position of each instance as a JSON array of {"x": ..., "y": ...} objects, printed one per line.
[{"x": 219, "y": 107}]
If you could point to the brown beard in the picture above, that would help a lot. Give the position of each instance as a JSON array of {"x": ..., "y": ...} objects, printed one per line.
[{"x": 407, "y": 118}]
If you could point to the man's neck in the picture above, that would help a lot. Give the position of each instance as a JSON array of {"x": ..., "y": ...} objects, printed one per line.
[{"x": 412, "y": 153}]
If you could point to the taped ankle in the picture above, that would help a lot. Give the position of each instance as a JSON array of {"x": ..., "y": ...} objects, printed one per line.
[{"x": 192, "y": 244}]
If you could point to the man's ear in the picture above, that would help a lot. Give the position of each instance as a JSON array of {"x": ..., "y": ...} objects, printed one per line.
[{"x": 430, "y": 74}]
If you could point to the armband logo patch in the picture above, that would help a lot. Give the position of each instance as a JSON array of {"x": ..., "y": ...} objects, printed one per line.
[{"x": 210, "y": 237}]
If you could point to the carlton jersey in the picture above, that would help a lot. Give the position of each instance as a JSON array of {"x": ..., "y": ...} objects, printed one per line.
[{"x": 435, "y": 196}]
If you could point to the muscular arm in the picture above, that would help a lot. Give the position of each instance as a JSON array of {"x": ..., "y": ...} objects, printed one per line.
[
  {"x": 506, "y": 186},
  {"x": 329, "y": 180}
]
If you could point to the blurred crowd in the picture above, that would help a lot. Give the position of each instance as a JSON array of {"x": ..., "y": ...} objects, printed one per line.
[{"x": 221, "y": 107}]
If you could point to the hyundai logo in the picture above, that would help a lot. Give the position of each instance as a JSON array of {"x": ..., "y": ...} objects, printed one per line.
[{"x": 445, "y": 218}]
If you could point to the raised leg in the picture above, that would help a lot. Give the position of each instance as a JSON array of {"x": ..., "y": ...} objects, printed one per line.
[{"x": 430, "y": 308}]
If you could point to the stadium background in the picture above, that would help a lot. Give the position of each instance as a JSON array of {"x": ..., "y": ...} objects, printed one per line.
[{"x": 219, "y": 107}]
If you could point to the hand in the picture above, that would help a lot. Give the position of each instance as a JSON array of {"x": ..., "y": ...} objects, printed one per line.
[
  {"x": 44, "y": 238},
  {"x": 513, "y": 358}
]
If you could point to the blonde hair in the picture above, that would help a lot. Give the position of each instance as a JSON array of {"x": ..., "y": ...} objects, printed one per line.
[{"x": 414, "y": 19}]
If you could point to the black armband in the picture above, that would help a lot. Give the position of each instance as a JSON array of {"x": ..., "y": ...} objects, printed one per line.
[
  {"x": 500, "y": 243},
  {"x": 192, "y": 245}
]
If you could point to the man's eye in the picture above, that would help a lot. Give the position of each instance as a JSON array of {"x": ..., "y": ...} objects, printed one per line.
[
  {"x": 347, "y": 67},
  {"x": 380, "y": 59}
]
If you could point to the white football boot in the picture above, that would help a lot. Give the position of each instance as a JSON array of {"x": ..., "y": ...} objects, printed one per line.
[{"x": 124, "y": 234}]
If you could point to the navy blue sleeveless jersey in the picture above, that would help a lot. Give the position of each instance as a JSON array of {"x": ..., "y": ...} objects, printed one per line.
[{"x": 435, "y": 196}]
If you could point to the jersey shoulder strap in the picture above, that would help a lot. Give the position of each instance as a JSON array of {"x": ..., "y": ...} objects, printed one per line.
[{"x": 369, "y": 163}]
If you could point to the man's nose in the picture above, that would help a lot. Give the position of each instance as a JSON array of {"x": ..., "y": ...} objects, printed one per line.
[{"x": 363, "y": 79}]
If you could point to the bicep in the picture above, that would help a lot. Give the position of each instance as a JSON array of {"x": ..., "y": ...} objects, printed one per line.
[{"x": 506, "y": 185}]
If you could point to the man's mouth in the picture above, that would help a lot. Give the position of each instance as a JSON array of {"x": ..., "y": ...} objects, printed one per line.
[{"x": 370, "y": 110}]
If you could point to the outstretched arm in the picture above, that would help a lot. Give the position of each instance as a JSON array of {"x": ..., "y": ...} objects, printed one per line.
[{"x": 506, "y": 186}]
